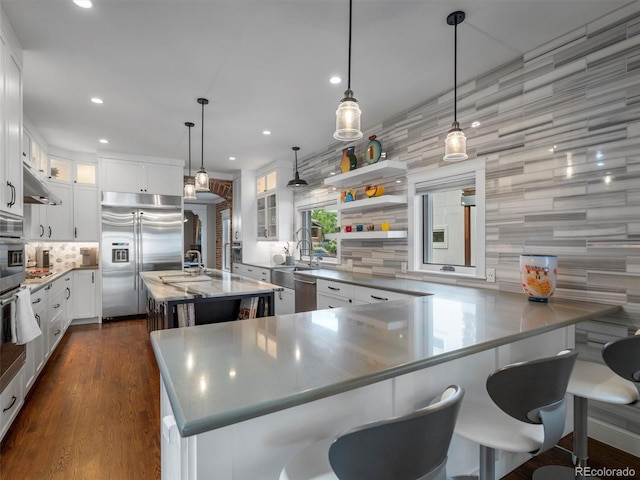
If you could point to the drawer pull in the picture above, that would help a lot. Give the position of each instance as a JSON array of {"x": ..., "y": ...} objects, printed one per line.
[
  {"x": 336, "y": 289},
  {"x": 57, "y": 333},
  {"x": 13, "y": 402},
  {"x": 378, "y": 298},
  {"x": 36, "y": 301},
  {"x": 57, "y": 305},
  {"x": 331, "y": 306}
]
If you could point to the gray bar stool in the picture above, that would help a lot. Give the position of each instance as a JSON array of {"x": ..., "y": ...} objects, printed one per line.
[
  {"x": 524, "y": 411},
  {"x": 410, "y": 447},
  {"x": 610, "y": 383}
]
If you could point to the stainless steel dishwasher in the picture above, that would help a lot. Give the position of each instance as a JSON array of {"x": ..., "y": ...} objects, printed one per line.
[{"x": 305, "y": 293}]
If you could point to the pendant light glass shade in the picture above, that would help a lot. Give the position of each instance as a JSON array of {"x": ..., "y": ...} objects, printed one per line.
[
  {"x": 348, "y": 119},
  {"x": 297, "y": 182},
  {"x": 189, "y": 186},
  {"x": 455, "y": 145},
  {"x": 202, "y": 178},
  {"x": 348, "y": 112}
]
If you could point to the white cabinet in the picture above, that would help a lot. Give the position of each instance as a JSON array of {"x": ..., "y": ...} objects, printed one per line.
[
  {"x": 140, "y": 177},
  {"x": 373, "y": 295},
  {"x": 325, "y": 301},
  {"x": 86, "y": 213},
  {"x": 10, "y": 130},
  {"x": 332, "y": 294},
  {"x": 35, "y": 349},
  {"x": 267, "y": 207},
  {"x": 11, "y": 401},
  {"x": 236, "y": 219},
  {"x": 285, "y": 301},
  {"x": 53, "y": 222},
  {"x": 251, "y": 271},
  {"x": 85, "y": 294},
  {"x": 66, "y": 284}
]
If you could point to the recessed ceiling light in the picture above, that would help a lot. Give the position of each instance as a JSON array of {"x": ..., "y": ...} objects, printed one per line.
[
  {"x": 232, "y": 158},
  {"x": 266, "y": 132},
  {"x": 475, "y": 124},
  {"x": 83, "y": 3},
  {"x": 103, "y": 140},
  {"x": 97, "y": 100},
  {"x": 335, "y": 80}
]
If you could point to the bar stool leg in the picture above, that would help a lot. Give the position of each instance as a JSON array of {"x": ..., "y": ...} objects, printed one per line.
[
  {"x": 580, "y": 435},
  {"x": 487, "y": 463}
]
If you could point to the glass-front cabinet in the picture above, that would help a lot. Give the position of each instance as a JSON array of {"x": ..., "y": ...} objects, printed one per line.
[{"x": 268, "y": 217}]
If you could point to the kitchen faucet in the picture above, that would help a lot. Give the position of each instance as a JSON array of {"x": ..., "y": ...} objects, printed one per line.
[
  {"x": 305, "y": 240},
  {"x": 198, "y": 258}
]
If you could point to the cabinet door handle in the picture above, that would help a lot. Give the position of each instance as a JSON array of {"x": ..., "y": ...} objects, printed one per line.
[
  {"x": 75, "y": 232},
  {"x": 13, "y": 402},
  {"x": 57, "y": 333},
  {"x": 37, "y": 301},
  {"x": 68, "y": 293},
  {"x": 49, "y": 231},
  {"x": 378, "y": 298},
  {"x": 48, "y": 287},
  {"x": 93, "y": 277},
  {"x": 336, "y": 289},
  {"x": 37, "y": 318},
  {"x": 57, "y": 305},
  {"x": 331, "y": 306},
  {"x": 41, "y": 231},
  {"x": 10, "y": 202}
]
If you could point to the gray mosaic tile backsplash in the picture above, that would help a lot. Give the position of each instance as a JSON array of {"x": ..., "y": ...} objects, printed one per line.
[{"x": 560, "y": 132}]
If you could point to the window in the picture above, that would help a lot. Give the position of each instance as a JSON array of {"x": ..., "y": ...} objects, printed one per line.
[
  {"x": 314, "y": 237},
  {"x": 446, "y": 220}
]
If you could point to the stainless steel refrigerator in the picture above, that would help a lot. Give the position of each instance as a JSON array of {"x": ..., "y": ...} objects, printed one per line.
[{"x": 140, "y": 232}]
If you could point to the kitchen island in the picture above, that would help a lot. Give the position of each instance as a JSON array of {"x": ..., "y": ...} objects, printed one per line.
[
  {"x": 181, "y": 299},
  {"x": 238, "y": 399}
]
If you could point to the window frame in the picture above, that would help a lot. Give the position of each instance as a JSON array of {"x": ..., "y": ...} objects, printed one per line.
[
  {"x": 314, "y": 204},
  {"x": 474, "y": 169}
]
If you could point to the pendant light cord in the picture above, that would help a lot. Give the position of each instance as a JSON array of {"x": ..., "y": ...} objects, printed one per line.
[
  {"x": 189, "y": 151},
  {"x": 455, "y": 72},
  {"x": 349, "y": 68},
  {"x": 202, "y": 142}
]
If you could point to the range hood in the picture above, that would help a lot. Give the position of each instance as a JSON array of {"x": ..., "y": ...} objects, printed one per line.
[{"x": 35, "y": 188}]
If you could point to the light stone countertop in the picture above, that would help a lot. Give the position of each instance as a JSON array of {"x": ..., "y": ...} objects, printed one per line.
[
  {"x": 221, "y": 284},
  {"x": 258, "y": 366},
  {"x": 38, "y": 283}
]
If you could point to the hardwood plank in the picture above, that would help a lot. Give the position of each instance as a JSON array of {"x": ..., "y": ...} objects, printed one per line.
[{"x": 93, "y": 413}]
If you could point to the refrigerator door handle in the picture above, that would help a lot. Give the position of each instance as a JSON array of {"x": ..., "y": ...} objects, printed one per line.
[
  {"x": 140, "y": 246},
  {"x": 135, "y": 252}
]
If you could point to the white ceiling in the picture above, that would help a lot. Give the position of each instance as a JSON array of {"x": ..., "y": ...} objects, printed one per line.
[{"x": 263, "y": 64}]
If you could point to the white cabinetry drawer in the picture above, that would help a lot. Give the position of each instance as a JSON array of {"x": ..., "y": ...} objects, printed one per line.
[
  {"x": 373, "y": 295},
  {"x": 335, "y": 288},
  {"x": 330, "y": 301},
  {"x": 11, "y": 400}
]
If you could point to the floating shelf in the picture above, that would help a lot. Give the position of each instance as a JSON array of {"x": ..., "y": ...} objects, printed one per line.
[
  {"x": 373, "y": 203},
  {"x": 386, "y": 168},
  {"x": 376, "y": 234}
]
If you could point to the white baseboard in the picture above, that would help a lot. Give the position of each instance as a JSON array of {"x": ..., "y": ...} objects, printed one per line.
[{"x": 615, "y": 436}]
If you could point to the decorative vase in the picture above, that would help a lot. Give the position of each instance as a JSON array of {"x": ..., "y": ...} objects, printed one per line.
[
  {"x": 374, "y": 190},
  {"x": 538, "y": 276},
  {"x": 373, "y": 151}
]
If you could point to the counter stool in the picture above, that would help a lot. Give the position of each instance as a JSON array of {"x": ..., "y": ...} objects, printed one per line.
[
  {"x": 610, "y": 383},
  {"x": 410, "y": 447},
  {"x": 524, "y": 412}
]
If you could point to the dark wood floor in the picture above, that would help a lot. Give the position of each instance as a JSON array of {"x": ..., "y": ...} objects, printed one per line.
[{"x": 94, "y": 414}]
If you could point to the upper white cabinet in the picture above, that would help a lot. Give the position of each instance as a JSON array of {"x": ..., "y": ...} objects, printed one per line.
[
  {"x": 86, "y": 213},
  {"x": 140, "y": 177},
  {"x": 274, "y": 206},
  {"x": 10, "y": 129}
]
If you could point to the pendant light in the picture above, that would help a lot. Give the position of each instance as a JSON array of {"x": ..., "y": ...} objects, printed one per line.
[
  {"x": 297, "y": 182},
  {"x": 189, "y": 185},
  {"x": 348, "y": 112},
  {"x": 455, "y": 145},
  {"x": 202, "y": 178}
]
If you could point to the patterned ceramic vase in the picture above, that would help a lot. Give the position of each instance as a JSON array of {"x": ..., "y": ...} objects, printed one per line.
[{"x": 538, "y": 276}]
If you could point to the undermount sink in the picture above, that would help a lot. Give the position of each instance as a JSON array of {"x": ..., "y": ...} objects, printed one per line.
[{"x": 184, "y": 277}]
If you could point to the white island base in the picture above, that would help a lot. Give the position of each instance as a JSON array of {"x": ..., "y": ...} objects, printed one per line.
[{"x": 258, "y": 448}]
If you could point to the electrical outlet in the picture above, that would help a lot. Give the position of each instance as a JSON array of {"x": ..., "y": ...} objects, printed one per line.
[
  {"x": 403, "y": 267},
  {"x": 491, "y": 275}
]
